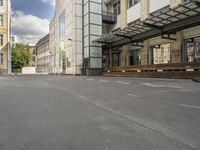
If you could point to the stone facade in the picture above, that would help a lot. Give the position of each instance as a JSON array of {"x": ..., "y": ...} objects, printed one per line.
[
  {"x": 146, "y": 7},
  {"x": 5, "y": 47},
  {"x": 43, "y": 55}
]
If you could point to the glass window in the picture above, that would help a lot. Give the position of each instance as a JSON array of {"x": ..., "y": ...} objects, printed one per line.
[
  {"x": 1, "y": 2},
  {"x": 134, "y": 57},
  {"x": 95, "y": 63},
  {"x": 95, "y": 19},
  {"x": 95, "y": 30},
  {"x": 116, "y": 8},
  {"x": 159, "y": 54},
  {"x": 116, "y": 58},
  {"x": 1, "y": 20},
  {"x": 1, "y": 59},
  {"x": 192, "y": 49},
  {"x": 132, "y": 2},
  {"x": 95, "y": 51},
  {"x": 1, "y": 39},
  {"x": 62, "y": 30},
  {"x": 95, "y": 8}
]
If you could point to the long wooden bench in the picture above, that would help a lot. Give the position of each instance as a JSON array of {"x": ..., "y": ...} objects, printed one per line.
[{"x": 175, "y": 70}]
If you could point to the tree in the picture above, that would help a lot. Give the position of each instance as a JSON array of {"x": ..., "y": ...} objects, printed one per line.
[{"x": 20, "y": 57}]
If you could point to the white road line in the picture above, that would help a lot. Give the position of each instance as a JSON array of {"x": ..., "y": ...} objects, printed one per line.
[
  {"x": 90, "y": 79},
  {"x": 132, "y": 95},
  {"x": 83, "y": 97},
  {"x": 142, "y": 123},
  {"x": 160, "y": 85},
  {"x": 189, "y": 106},
  {"x": 122, "y": 82},
  {"x": 105, "y": 81}
]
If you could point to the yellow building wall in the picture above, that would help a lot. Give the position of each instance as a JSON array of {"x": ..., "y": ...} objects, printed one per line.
[{"x": 5, "y": 31}]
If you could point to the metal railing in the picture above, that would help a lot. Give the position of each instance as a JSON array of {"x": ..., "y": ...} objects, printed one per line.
[{"x": 109, "y": 17}]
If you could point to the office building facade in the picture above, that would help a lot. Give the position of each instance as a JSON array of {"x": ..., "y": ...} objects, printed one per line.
[
  {"x": 151, "y": 38},
  {"x": 66, "y": 37},
  {"x": 141, "y": 38}
]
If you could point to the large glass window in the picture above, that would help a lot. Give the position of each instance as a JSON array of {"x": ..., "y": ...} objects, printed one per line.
[
  {"x": 116, "y": 8},
  {"x": 159, "y": 54},
  {"x": 1, "y": 2},
  {"x": 192, "y": 49},
  {"x": 1, "y": 59},
  {"x": 1, "y": 39},
  {"x": 62, "y": 30},
  {"x": 1, "y": 20},
  {"x": 132, "y": 2},
  {"x": 134, "y": 57},
  {"x": 116, "y": 59}
]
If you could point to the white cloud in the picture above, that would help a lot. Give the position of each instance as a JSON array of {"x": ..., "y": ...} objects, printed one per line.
[
  {"x": 52, "y": 2},
  {"x": 28, "y": 28}
]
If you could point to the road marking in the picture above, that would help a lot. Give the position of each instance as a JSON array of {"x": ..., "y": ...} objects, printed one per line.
[
  {"x": 90, "y": 79},
  {"x": 189, "y": 106},
  {"x": 161, "y": 85},
  {"x": 132, "y": 95},
  {"x": 148, "y": 125},
  {"x": 83, "y": 97},
  {"x": 143, "y": 123},
  {"x": 122, "y": 82},
  {"x": 105, "y": 81}
]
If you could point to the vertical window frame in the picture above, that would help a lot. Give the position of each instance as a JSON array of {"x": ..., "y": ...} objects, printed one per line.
[
  {"x": 1, "y": 3},
  {"x": 131, "y": 3},
  {"x": 1, "y": 20},
  {"x": 1, "y": 58},
  {"x": 1, "y": 39},
  {"x": 117, "y": 8}
]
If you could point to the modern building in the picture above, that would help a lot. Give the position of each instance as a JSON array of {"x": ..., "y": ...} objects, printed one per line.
[
  {"x": 43, "y": 55},
  {"x": 141, "y": 38},
  {"x": 151, "y": 38},
  {"x": 66, "y": 37},
  {"x": 5, "y": 58},
  {"x": 71, "y": 38}
]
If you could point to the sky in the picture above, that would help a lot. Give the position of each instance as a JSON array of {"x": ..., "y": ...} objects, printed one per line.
[{"x": 30, "y": 19}]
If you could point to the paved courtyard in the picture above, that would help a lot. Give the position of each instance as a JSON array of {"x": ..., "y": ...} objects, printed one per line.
[{"x": 98, "y": 113}]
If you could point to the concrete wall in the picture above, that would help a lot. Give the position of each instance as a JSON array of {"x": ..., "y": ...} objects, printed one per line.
[
  {"x": 157, "y": 4},
  {"x": 28, "y": 70},
  {"x": 133, "y": 13}
]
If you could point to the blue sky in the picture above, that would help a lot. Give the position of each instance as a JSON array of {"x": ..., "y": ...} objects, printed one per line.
[
  {"x": 30, "y": 19},
  {"x": 35, "y": 7}
]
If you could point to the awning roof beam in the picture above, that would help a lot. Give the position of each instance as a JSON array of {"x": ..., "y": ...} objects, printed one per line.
[
  {"x": 164, "y": 21},
  {"x": 124, "y": 36},
  {"x": 168, "y": 37},
  {"x": 152, "y": 26}
]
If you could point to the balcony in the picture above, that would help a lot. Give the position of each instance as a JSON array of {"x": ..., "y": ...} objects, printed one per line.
[{"x": 109, "y": 18}]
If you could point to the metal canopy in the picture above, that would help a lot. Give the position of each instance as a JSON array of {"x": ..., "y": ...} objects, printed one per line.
[{"x": 157, "y": 21}]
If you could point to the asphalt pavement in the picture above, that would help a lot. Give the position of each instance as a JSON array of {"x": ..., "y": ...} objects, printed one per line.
[{"x": 98, "y": 113}]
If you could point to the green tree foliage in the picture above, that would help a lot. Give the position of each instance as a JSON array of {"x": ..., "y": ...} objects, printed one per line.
[{"x": 21, "y": 57}]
